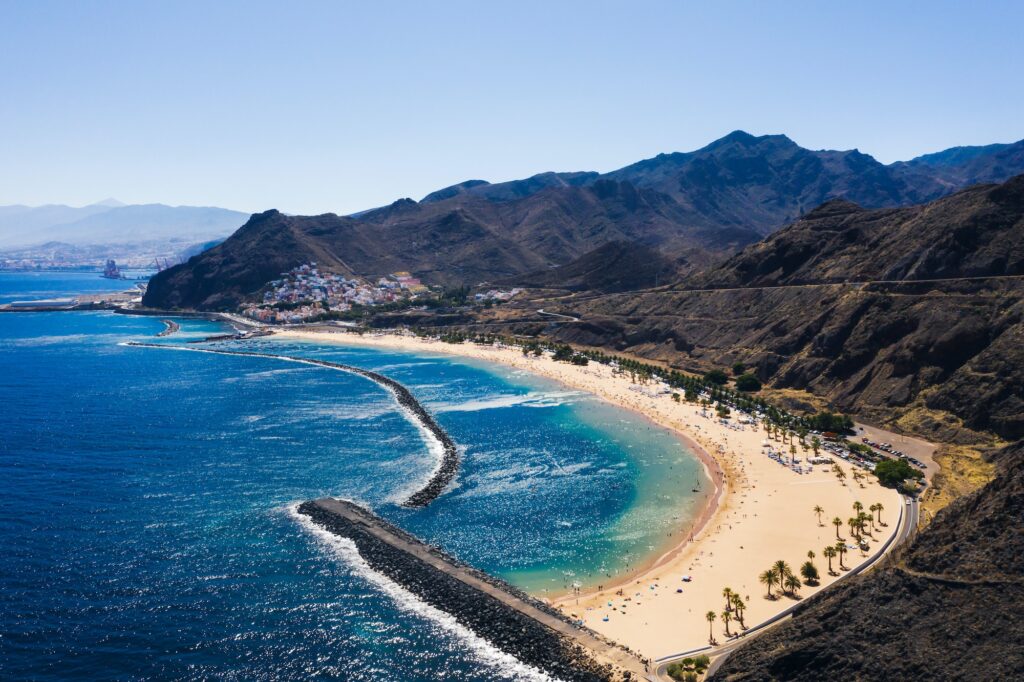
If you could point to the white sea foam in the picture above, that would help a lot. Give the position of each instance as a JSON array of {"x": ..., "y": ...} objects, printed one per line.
[
  {"x": 434, "y": 445},
  {"x": 532, "y": 399},
  {"x": 57, "y": 339},
  {"x": 346, "y": 550},
  {"x": 400, "y": 365},
  {"x": 265, "y": 374},
  {"x": 360, "y": 412}
]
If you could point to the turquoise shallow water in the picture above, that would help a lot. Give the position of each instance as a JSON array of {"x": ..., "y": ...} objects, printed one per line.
[{"x": 145, "y": 494}]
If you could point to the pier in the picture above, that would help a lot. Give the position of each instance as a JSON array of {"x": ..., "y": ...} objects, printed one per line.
[{"x": 511, "y": 620}]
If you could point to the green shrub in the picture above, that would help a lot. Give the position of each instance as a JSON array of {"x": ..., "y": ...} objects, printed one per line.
[
  {"x": 892, "y": 472},
  {"x": 716, "y": 376},
  {"x": 748, "y": 383}
]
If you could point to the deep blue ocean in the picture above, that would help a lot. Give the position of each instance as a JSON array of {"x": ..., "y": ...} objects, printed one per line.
[{"x": 146, "y": 501}]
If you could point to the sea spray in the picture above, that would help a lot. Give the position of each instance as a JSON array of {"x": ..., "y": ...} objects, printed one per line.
[
  {"x": 346, "y": 551},
  {"x": 439, "y": 443}
]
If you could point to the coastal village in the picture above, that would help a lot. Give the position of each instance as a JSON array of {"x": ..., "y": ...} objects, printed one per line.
[{"x": 305, "y": 294}]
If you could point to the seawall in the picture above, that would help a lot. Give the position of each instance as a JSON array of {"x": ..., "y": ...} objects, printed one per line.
[
  {"x": 512, "y": 621},
  {"x": 449, "y": 464}
]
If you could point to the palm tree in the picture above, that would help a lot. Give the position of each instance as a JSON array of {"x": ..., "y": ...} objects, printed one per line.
[
  {"x": 809, "y": 572},
  {"x": 782, "y": 569},
  {"x": 792, "y": 584},
  {"x": 872, "y": 508},
  {"x": 864, "y": 518},
  {"x": 727, "y": 616},
  {"x": 841, "y": 548},
  {"x": 819, "y": 511},
  {"x": 792, "y": 453},
  {"x": 829, "y": 553},
  {"x": 768, "y": 578},
  {"x": 810, "y": 554},
  {"x": 737, "y": 607},
  {"x": 858, "y": 507},
  {"x": 840, "y": 474},
  {"x": 854, "y": 525},
  {"x": 710, "y": 616},
  {"x": 838, "y": 523},
  {"x": 879, "y": 508},
  {"x": 727, "y": 593},
  {"x": 815, "y": 445}
]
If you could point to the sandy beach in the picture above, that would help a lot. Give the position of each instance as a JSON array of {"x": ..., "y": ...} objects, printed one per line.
[{"x": 761, "y": 512}]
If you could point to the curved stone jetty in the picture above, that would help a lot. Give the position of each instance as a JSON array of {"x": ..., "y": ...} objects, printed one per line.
[
  {"x": 512, "y": 621},
  {"x": 449, "y": 459},
  {"x": 170, "y": 327}
]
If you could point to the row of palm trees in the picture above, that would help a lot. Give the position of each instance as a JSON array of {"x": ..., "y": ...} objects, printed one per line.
[
  {"x": 735, "y": 606},
  {"x": 857, "y": 523}
]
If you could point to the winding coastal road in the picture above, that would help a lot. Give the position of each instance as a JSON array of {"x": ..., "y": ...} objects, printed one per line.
[
  {"x": 908, "y": 520},
  {"x": 567, "y": 318}
]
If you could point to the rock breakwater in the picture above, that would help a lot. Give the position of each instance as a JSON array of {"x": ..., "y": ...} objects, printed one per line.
[
  {"x": 511, "y": 621},
  {"x": 438, "y": 439}
]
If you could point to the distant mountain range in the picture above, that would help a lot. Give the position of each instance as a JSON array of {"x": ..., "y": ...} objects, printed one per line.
[
  {"x": 111, "y": 222},
  {"x": 694, "y": 208}
]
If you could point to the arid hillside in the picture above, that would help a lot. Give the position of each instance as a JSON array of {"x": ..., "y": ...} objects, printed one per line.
[{"x": 876, "y": 311}]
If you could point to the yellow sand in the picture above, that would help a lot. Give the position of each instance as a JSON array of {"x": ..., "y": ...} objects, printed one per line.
[{"x": 764, "y": 512}]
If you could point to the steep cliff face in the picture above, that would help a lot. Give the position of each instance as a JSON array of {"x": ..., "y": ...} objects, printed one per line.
[
  {"x": 946, "y": 608},
  {"x": 869, "y": 309}
]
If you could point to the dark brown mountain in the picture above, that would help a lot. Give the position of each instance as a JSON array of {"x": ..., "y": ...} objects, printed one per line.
[
  {"x": 962, "y": 166},
  {"x": 946, "y": 608},
  {"x": 694, "y": 208},
  {"x": 616, "y": 266},
  {"x": 845, "y": 303},
  {"x": 463, "y": 239},
  {"x": 974, "y": 233}
]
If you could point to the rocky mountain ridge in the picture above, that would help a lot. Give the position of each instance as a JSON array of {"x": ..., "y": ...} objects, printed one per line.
[{"x": 694, "y": 208}]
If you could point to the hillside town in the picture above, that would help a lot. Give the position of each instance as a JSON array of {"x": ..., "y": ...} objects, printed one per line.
[{"x": 304, "y": 293}]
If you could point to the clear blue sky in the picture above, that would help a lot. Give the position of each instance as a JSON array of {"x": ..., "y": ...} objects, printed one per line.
[{"x": 341, "y": 106}]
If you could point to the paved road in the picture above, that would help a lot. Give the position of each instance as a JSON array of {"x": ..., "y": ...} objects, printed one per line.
[
  {"x": 810, "y": 285},
  {"x": 567, "y": 318},
  {"x": 908, "y": 519}
]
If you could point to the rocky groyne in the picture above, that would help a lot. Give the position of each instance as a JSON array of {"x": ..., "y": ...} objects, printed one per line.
[
  {"x": 517, "y": 624},
  {"x": 448, "y": 465},
  {"x": 170, "y": 327}
]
